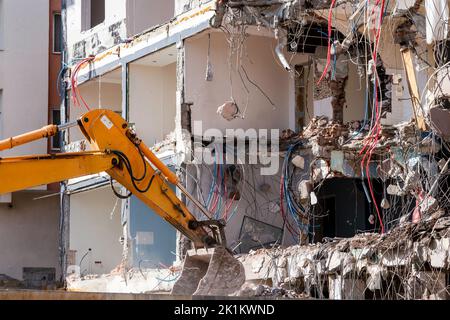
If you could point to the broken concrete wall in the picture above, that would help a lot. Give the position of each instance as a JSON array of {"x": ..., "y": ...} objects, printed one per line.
[
  {"x": 83, "y": 41},
  {"x": 391, "y": 266},
  {"x": 401, "y": 106},
  {"x": 264, "y": 104},
  {"x": 352, "y": 94},
  {"x": 254, "y": 90},
  {"x": 123, "y": 19},
  {"x": 182, "y": 6}
]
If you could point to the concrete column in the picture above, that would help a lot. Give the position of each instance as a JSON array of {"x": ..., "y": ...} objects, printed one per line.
[{"x": 183, "y": 137}]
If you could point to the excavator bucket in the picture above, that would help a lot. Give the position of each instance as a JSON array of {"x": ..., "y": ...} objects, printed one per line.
[{"x": 210, "y": 272}]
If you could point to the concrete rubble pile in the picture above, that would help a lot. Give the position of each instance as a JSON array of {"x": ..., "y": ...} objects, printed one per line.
[{"x": 411, "y": 261}]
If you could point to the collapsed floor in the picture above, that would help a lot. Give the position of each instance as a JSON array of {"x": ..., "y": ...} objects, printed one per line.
[{"x": 390, "y": 140}]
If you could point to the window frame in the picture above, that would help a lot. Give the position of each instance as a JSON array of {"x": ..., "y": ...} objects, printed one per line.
[
  {"x": 52, "y": 139},
  {"x": 86, "y": 15},
  {"x": 57, "y": 13}
]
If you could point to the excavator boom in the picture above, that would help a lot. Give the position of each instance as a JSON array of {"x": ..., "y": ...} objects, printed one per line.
[{"x": 117, "y": 150}]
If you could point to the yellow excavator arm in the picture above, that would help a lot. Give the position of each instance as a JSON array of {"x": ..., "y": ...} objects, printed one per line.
[
  {"x": 208, "y": 269},
  {"x": 115, "y": 150}
]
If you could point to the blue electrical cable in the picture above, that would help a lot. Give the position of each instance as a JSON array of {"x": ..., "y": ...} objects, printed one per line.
[
  {"x": 295, "y": 209},
  {"x": 213, "y": 183}
]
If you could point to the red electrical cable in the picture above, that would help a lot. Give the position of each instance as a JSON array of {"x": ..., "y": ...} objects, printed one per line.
[
  {"x": 375, "y": 131},
  {"x": 330, "y": 17},
  {"x": 76, "y": 95},
  {"x": 227, "y": 207},
  {"x": 290, "y": 228},
  {"x": 216, "y": 191}
]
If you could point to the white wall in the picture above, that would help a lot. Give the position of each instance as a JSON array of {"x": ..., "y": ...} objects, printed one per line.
[
  {"x": 262, "y": 68},
  {"x": 2, "y": 27},
  {"x": 152, "y": 98},
  {"x": 98, "y": 95},
  {"x": 95, "y": 223},
  {"x": 144, "y": 14},
  {"x": 29, "y": 233},
  {"x": 24, "y": 70}
]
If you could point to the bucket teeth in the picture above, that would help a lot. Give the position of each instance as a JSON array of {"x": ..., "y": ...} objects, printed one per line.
[{"x": 212, "y": 272}]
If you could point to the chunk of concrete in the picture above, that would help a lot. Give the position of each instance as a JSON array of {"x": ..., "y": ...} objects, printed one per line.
[
  {"x": 228, "y": 111},
  {"x": 374, "y": 279},
  {"x": 337, "y": 161},
  {"x": 438, "y": 253},
  {"x": 341, "y": 288},
  {"x": 428, "y": 205},
  {"x": 429, "y": 285},
  {"x": 395, "y": 190},
  {"x": 305, "y": 188},
  {"x": 299, "y": 162}
]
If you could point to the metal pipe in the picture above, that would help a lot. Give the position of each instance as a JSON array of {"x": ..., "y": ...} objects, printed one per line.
[
  {"x": 168, "y": 174},
  {"x": 68, "y": 125},
  {"x": 195, "y": 201},
  {"x": 45, "y": 132}
]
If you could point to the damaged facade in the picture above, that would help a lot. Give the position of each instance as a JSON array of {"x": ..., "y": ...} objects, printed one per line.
[{"x": 358, "y": 92}]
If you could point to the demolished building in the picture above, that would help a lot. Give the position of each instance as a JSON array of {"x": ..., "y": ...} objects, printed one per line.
[{"x": 357, "y": 208}]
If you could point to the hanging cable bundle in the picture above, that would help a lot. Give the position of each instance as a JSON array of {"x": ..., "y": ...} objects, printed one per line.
[
  {"x": 330, "y": 28},
  {"x": 375, "y": 132},
  {"x": 295, "y": 209},
  {"x": 76, "y": 96},
  {"x": 134, "y": 180}
]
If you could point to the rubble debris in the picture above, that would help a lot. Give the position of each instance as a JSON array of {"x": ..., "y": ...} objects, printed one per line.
[
  {"x": 270, "y": 292},
  {"x": 338, "y": 102},
  {"x": 132, "y": 281},
  {"x": 8, "y": 282},
  {"x": 405, "y": 157},
  {"x": 365, "y": 263},
  {"x": 209, "y": 272},
  {"x": 428, "y": 205},
  {"x": 305, "y": 189}
]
